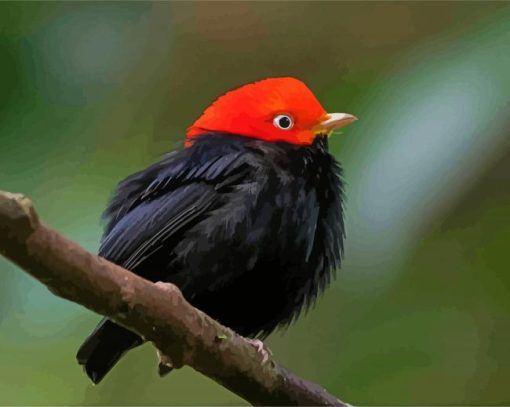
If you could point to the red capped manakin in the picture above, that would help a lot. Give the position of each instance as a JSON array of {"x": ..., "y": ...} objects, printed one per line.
[{"x": 246, "y": 219}]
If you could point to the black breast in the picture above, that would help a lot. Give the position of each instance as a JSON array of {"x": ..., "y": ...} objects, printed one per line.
[{"x": 297, "y": 228}]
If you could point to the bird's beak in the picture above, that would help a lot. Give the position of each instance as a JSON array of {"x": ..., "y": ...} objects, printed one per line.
[{"x": 334, "y": 121}]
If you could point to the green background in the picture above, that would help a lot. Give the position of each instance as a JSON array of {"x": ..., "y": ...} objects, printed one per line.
[{"x": 420, "y": 312}]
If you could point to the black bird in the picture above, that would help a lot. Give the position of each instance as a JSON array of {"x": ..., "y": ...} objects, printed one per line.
[{"x": 247, "y": 219}]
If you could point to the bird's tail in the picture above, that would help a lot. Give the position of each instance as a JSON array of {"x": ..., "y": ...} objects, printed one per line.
[{"x": 104, "y": 347}]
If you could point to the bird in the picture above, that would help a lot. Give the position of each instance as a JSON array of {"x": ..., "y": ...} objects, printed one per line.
[{"x": 247, "y": 218}]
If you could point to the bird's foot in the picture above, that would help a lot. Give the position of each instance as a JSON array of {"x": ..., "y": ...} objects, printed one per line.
[
  {"x": 165, "y": 364},
  {"x": 261, "y": 349},
  {"x": 166, "y": 286}
]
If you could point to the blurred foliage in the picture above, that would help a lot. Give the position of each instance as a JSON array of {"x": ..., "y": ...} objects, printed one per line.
[{"x": 420, "y": 312}]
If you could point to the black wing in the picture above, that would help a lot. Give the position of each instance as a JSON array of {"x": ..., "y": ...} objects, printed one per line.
[{"x": 152, "y": 207}]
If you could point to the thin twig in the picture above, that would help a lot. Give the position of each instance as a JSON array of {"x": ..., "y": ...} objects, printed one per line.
[{"x": 158, "y": 312}]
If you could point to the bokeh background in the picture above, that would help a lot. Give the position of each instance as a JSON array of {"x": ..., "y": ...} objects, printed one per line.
[{"x": 420, "y": 312}]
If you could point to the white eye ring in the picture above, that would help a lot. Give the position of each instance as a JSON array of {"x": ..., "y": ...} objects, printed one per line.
[{"x": 283, "y": 121}]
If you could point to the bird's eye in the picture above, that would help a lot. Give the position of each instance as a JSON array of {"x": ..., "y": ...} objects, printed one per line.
[{"x": 283, "y": 121}]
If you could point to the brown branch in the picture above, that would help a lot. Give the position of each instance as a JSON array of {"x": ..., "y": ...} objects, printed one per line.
[{"x": 158, "y": 312}]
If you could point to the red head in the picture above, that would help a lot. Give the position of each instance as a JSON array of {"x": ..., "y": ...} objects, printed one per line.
[{"x": 274, "y": 109}]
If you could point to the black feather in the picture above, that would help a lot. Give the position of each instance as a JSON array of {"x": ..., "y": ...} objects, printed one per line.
[
  {"x": 251, "y": 231},
  {"x": 104, "y": 347}
]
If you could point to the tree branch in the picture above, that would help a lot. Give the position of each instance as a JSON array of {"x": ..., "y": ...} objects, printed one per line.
[{"x": 158, "y": 312}]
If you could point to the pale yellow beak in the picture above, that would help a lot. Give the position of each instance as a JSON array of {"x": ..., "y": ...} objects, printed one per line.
[{"x": 335, "y": 121}]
